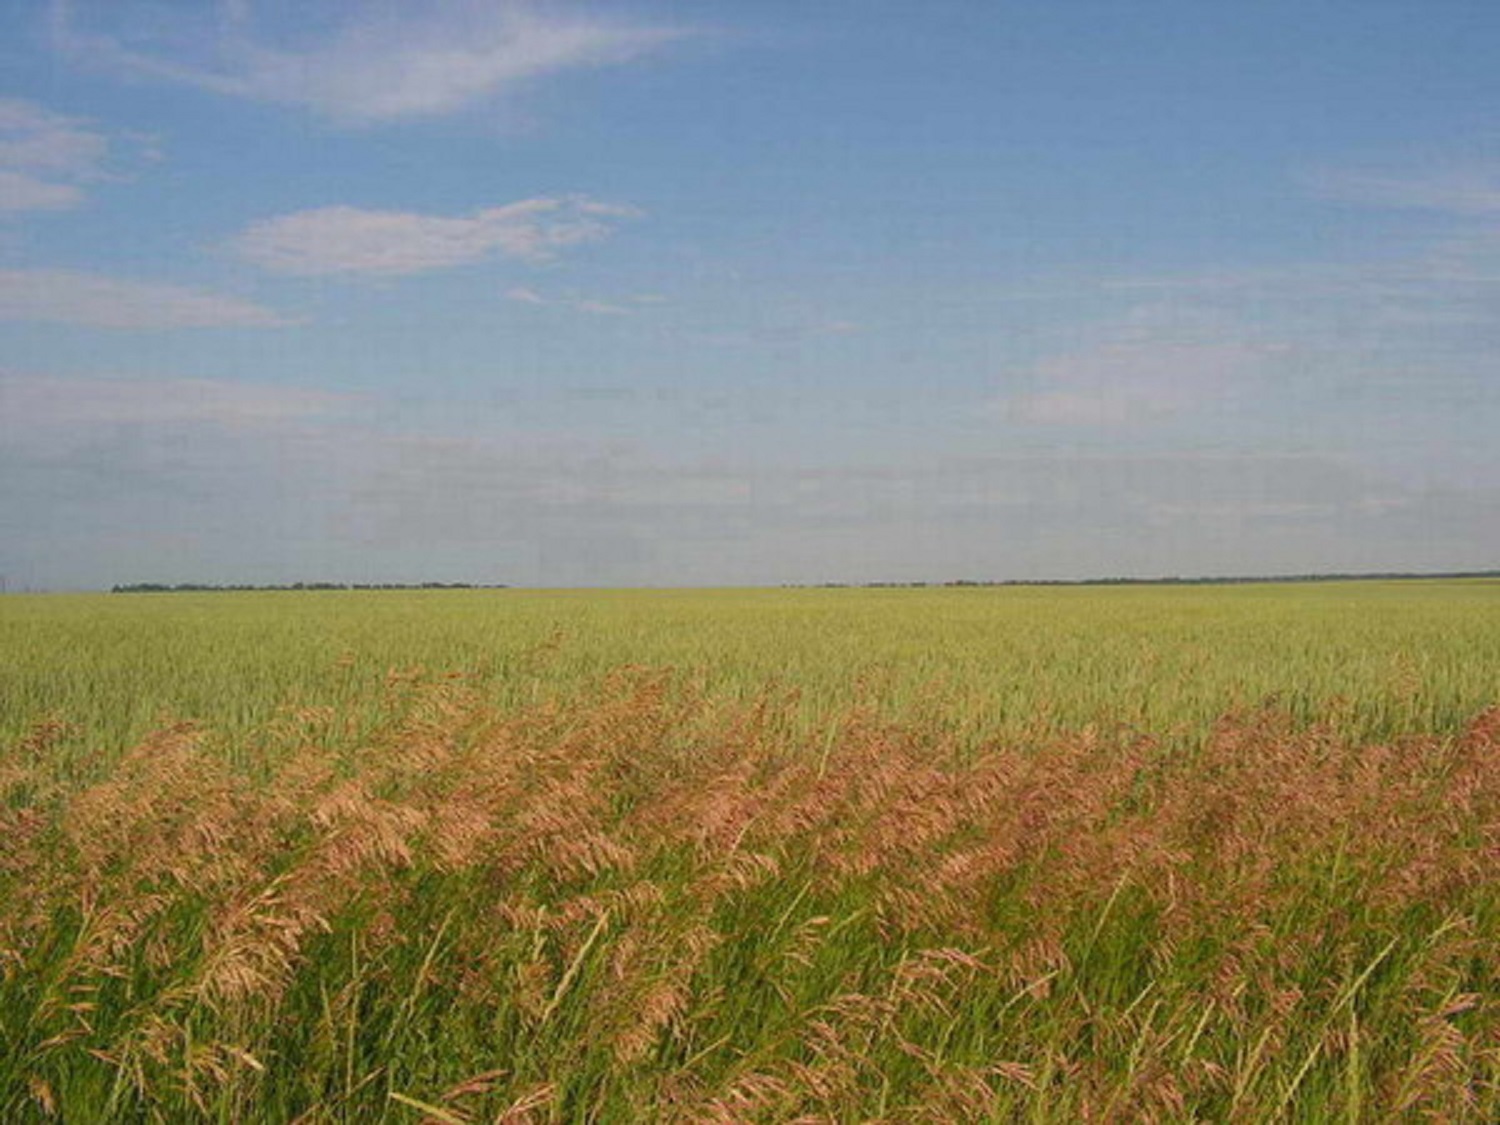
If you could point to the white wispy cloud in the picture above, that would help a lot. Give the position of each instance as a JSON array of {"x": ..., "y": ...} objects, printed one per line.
[
  {"x": 1123, "y": 383},
  {"x": 1156, "y": 362},
  {"x": 20, "y": 191},
  {"x": 96, "y": 301},
  {"x": 1249, "y": 337},
  {"x": 35, "y": 404},
  {"x": 600, "y": 308},
  {"x": 787, "y": 333},
  {"x": 46, "y": 157},
  {"x": 1466, "y": 193},
  {"x": 1461, "y": 190},
  {"x": 353, "y": 240},
  {"x": 380, "y": 63},
  {"x": 837, "y": 328},
  {"x": 594, "y": 306}
]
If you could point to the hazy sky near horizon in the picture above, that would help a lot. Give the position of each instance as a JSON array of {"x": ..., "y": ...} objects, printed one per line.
[{"x": 729, "y": 292}]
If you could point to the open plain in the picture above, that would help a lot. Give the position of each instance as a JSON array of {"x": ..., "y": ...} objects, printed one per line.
[{"x": 1054, "y": 854}]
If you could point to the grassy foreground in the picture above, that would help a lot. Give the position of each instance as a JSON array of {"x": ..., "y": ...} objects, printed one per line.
[{"x": 761, "y": 887}]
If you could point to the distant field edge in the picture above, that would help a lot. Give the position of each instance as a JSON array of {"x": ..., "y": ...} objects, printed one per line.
[{"x": 1162, "y": 580}]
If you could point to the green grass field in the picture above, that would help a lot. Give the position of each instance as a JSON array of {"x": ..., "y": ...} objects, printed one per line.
[
  {"x": 1387, "y": 657},
  {"x": 1045, "y": 854}
]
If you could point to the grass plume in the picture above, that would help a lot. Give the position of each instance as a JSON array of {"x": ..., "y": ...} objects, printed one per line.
[{"x": 640, "y": 899}]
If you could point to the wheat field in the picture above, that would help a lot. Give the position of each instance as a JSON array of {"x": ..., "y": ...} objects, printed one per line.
[{"x": 1080, "y": 854}]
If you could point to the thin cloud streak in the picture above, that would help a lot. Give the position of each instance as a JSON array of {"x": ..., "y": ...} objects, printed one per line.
[
  {"x": 96, "y": 301},
  {"x": 1136, "y": 382},
  {"x": 1456, "y": 191},
  {"x": 1222, "y": 340},
  {"x": 22, "y": 192},
  {"x": 594, "y": 306},
  {"x": 45, "y": 157},
  {"x": 353, "y": 240},
  {"x": 379, "y": 66},
  {"x": 35, "y": 406}
]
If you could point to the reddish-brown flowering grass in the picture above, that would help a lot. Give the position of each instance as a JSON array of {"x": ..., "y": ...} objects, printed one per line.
[{"x": 643, "y": 902}]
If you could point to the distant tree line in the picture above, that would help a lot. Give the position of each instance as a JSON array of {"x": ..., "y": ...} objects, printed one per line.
[
  {"x": 1230, "y": 580},
  {"x": 209, "y": 587}
]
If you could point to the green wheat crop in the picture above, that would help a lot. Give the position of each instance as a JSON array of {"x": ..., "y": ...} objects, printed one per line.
[{"x": 1158, "y": 854}]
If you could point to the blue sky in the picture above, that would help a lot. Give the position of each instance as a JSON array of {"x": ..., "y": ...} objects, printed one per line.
[{"x": 712, "y": 293}]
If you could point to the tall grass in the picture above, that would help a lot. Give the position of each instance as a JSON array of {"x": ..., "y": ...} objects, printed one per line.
[{"x": 640, "y": 900}]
